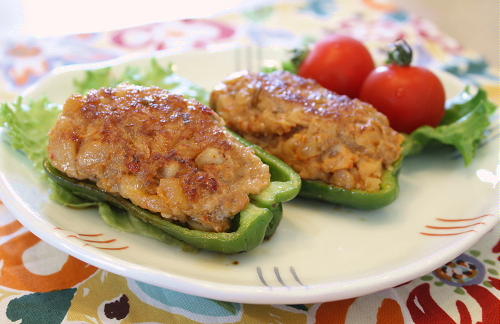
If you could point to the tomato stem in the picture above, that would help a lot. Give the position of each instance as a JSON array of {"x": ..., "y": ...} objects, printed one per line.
[
  {"x": 400, "y": 53},
  {"x": 298, "y": 55}
]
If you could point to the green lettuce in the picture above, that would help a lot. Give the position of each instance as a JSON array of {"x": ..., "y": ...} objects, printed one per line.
[
  {"x": 155, "y": 75},
  {"x": 297, "y": 56},
  {"x": 116, "y": 218},
  {"x": 27, "y": 127},
  {"x": 463, "y": 127}
]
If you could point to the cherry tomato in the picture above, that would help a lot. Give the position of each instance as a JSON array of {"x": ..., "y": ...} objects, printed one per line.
[
  {"x": 338, "y": 63},
  {"x": 410, "y": 96}
]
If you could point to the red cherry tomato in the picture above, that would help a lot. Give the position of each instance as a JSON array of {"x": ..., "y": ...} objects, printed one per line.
[
  {"x": 409, "y": 96},
  {"x": 338, "y": 63}
]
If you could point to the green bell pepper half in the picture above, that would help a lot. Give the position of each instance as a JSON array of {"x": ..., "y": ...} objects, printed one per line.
[
  {"x": 285, "y": 182},
  {"x": 320, "y": 190},
  {"x": 389, "y": 190},
  {"x": 259, "y": 220}
]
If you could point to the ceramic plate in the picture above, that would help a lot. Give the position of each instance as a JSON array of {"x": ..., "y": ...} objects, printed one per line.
[{"x": 319, "y": 253}]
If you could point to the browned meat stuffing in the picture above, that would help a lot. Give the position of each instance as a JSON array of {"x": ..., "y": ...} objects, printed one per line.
[
  {"x": 322, "y": 135},
  {"x": 165, "y": 153}
]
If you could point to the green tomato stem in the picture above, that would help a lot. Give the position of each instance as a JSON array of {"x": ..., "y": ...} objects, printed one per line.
[{"x": 400, "y": 53}]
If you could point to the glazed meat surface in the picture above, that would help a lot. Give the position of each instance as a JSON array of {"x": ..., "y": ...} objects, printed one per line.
[
  {"x": 322, "y": 135},
  {"x": 165, "y": 153}
]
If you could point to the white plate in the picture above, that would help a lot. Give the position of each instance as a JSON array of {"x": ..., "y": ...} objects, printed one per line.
[{"x": 319, "y": 253}]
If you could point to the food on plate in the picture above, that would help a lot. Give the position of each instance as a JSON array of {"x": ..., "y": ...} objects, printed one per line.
[
  {"x": 25, "y": 124},
  {"x": 410, "y": 96},
  {"x": 325, "y": 137},
  {"x": 154, "y": 153},
  {"x": 339, "y": 63}
]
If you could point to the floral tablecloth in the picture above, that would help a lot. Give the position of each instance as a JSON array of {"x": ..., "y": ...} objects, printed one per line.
[{"x": 39, "y": 284}]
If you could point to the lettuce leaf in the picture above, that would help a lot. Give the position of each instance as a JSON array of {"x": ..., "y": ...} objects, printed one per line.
[
  {"x": 114, "y": 217},
  {"x": 123, "y": 221},
  {"x": 463, "y": 126},
  {"x": 155, "y": 75},
  {"x": 297, "y": 56},
  {"x": 27, "y": 127}
]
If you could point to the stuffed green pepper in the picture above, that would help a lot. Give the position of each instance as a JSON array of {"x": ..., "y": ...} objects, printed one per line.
[
  {"x": 344, "y": 149},
  {"x": 170, "y": 162}
]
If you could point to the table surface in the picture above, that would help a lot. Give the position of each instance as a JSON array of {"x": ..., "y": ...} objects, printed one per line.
[{"x": 35, "y": 277}]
